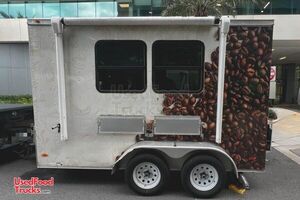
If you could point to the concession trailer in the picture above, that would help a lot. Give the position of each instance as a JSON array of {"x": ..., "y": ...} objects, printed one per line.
[{"x": 150, "y": 95}]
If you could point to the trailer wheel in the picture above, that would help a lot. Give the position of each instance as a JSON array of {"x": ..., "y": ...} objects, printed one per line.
[
  {"x": 146, "y": 174},
  {"x": 203, "y": 176}
]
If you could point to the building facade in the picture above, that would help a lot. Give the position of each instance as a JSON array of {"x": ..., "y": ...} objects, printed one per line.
[
  {"x": 14, "y": 67},
  {"x": 80, "y": 8}
]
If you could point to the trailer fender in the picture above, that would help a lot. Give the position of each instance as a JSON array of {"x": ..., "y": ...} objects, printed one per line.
[{"x": 176, "y": 153}]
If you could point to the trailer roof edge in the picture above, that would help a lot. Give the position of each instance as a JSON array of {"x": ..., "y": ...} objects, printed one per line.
[
  {"x": 251, "y": 22},
  {"x": 155, "y": 21},
  {"x": 139, "y": 21},
  {"x": 147, "y": 21}
]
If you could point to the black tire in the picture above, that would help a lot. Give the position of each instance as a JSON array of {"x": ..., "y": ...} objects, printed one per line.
[
  {"x": 159, "y": 163},
  {"x": 187, "y": 170}
]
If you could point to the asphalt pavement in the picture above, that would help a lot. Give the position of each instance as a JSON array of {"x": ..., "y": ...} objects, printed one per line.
[{"x": 281, "y": 180}]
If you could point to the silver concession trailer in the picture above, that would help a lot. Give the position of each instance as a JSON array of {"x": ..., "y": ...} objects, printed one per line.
[{"x": 152, "y": 94}]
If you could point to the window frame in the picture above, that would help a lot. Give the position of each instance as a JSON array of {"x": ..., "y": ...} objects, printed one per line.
[
  {"x": 123, "y": 67},
  {"x": 201, "y": 70}
]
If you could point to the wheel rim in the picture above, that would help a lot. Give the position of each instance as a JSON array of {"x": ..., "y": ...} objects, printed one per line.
[
  {"x": 204, "y": 177},
  {"x": 146, "y": 175}
]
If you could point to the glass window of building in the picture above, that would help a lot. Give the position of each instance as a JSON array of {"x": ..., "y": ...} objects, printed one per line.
[
  {"x": 157, "y": 3},
  {"x": 68, "y": 9},
  {"x": 296, "y": 7},
  {"x": 120, "y": 66},
  {"x": 106, "y": 8},
  {"x": 142, "y": 3},
  {"x": 51, "y": 10},
  {"x": 246, "y": 8},
  {"x": 142, "y": 8},
  {"x": 113, "y": 8},
  {"x": 266, "y": 9},
  {"x": 124, "y": 8},
  {"x": 34, "y": 10},
  {"x": 157, "y": 7},
  {"x": 16, "y": 10},
  {"x": 3, "y": 10},
  {"x": 281, "y": 7},
  {"x": 86, "y": 9},
  {"x": 177, "y": 66}
]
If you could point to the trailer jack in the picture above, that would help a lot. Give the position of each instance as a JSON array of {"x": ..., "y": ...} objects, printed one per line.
[{"x": 243, "y": 180}]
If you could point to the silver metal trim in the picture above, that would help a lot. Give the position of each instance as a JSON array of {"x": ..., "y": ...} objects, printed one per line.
[
  {"x": 251, "y": 22},
  {"x": 39, "y": 22},
  {"x": 224, "y": 28},
  {"x": 233, "y": 22},
  {"x": 136, "y": 21},
  {"x": 54, "y": 166},
  {"x": 243, "y": 180},
  {"x": 120, "y": 117},
  {"x": 161, "y": 125},
  {"x": 61, "y": 82}
]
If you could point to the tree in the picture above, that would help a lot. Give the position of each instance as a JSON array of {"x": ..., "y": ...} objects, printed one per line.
[{"x": 206, "y": 7}]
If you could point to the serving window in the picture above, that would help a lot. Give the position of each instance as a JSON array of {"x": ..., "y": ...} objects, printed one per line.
[
  {"x": 178, "y": 66},
  {"x": 120, "y": 66}
]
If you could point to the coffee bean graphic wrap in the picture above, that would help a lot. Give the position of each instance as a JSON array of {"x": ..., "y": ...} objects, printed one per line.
[{"x": 246, "y": 91}]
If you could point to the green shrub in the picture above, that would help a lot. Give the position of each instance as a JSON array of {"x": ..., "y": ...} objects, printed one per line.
[
  {"x": 20, "y": 99},
  {"x": 272, "y": 114}
]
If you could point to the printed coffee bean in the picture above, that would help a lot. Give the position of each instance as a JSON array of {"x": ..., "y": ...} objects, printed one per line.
[
  {"x": 251, "y": 60},
  {"x": 237, "y": 45},
  {"x": 250, "y": 72},
  {"x": 192, "y": 100},
  {"x": 251, "y": 34},
  {"x": 263, "y": 72},
  {"x": 260, "y": 52},
  {"x": 235, "y": 52},
  {"x": 185, "y": 102},
  {"x": 264, "y": 37},
  {"x": 262, "y": 45},
  {"x": 233, "y": 38},
  {"x": 211, "y": 125},
  {"x": 259, "y": 89},
  {"x": 255, "y": 40},
  {"x": 255, "y": 45}
]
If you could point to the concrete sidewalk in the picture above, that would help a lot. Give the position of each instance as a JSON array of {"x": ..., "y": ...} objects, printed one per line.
[{"x": 286, "y": 133}]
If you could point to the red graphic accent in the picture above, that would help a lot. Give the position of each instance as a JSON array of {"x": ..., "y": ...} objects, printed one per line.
[{"x": 273, "y": 73}]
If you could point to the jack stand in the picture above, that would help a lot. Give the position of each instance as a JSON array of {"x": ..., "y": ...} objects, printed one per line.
[{"x": 242, "y": 179}]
